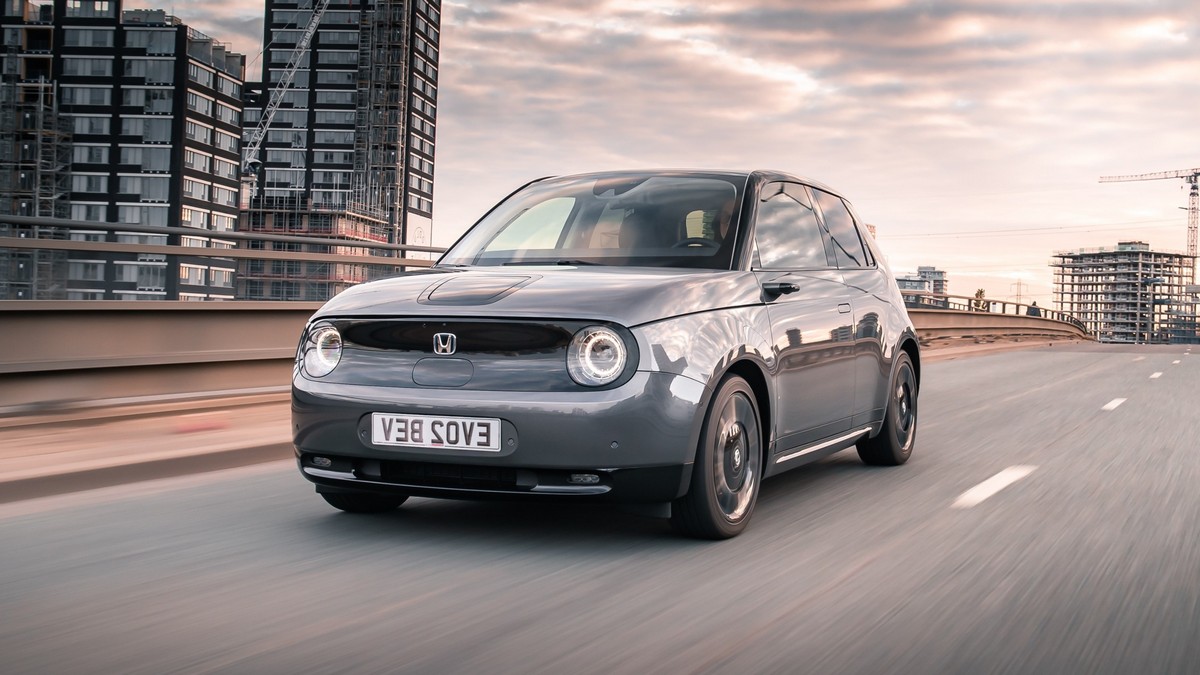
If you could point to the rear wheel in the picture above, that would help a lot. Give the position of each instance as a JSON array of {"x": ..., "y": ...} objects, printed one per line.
[
  {"x": 894, "y": 443},
  {"x": 363, "y": 502},
  {"x": 728, "y": 468}
]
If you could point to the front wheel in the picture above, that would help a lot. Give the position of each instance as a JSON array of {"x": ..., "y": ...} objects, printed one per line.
[
  {"x": 728, "y": 468},
  {"x": 363, "y": 502},
  {"x": 894, "y": 443}
]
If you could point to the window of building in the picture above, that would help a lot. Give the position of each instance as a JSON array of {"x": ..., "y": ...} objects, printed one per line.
[
  {"x": 196, "y": 189},
  {"x": 224, "y": 196},
  {"x": 151, "y": 130},
  {"x": 331, "y": 179},
  {"x": 335, "y": 117},
  {"x": 336, "y": 77},
  {"x": 91, "y": 66},
  {"x": 229, "y": 87},
  {"x": 332, "y": 157},
  {"x": 337, "y": 17},
  {"x": 227, "y": 114},
  {"x": 92, "y": 212},
  {"x": 227, "y": 142},
  {"x": 86, "y": 270},
  {"x": 200, "y": 104},
  {"x": 299, "y": 81},
  {"x": 147, "y": 188},
  {"x": 158, "y": 71},
  {"x": 74, "y": 95},
  {"x": 144, "y": 215},
  {"x": 153, "y": 40},
  {"x": 148, "y": 158},
  {"x": 84, "y": 182},
  {"x": 222, "y": 223},
  {"x": 337, "y": 58},
  {"x": 193, "y": 275},
  {"x": 193, "y": 217},
  {"x": 87, "y": 37},
  {"x": 197, "y": 160},
  {"x": 285, "y": 178},
  {"x": 200, "y": 75},
  {"x": 335, "y": 97},
  {"x": 224, "y": 168},
  {"x": 198, "y": 132},
  {"x": 150, "y": 100},
  {"x": 221, "y": 278},
  {"x": 327, "y": 137},
  {"x": 89, "y": 154},
  {"x": 92, "y": 124},
  {"x": 338, "y": 37},
  {"x": 91, "y": 8}
]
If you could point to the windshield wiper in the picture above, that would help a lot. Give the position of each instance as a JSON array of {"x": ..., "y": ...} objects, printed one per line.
[{"x": 563, "y": 261}]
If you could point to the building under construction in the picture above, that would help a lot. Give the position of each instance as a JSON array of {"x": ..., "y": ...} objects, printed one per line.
[
  {"x": 35, "y": 155},
  {"x": 347, "y": 153},
  {"x": 1130, "y": 293}
]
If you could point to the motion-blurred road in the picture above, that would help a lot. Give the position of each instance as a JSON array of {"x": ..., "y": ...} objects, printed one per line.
[{"x": 1049, "y": 522}]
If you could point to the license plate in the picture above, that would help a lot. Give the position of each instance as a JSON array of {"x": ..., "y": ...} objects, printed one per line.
[{"x": 430, "y": 431}]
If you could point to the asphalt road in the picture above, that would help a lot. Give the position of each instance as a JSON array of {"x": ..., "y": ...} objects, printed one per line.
[{"x": 1086, "y": 561}]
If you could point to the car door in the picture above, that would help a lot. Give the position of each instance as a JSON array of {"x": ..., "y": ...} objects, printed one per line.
[
  {"x": 811, "y": 320},
  {"x": 867, "y": 284}
]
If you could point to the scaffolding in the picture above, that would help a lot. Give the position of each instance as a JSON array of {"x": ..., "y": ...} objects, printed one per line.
[
  {"x": 35, "y": 180},
  {"x": 1128, "y": 294}
]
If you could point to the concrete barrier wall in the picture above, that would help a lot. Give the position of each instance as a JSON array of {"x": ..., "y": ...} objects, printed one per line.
[{"x": 73, "y": 354}]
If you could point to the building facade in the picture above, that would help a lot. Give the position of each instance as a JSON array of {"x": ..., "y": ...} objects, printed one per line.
[
  {"x": 154, "y": 109},
  {"x": 348, "y": 156},
  {"x": 1130, "y": 293}
]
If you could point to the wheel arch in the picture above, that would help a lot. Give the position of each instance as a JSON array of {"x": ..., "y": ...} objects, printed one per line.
[{"x": 754, "y": 376}]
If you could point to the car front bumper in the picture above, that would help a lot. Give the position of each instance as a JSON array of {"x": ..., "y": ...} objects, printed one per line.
[{"x": 633, "y": 443}]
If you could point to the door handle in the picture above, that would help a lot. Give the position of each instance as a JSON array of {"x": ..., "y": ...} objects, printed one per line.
[{"x": 844, "y": 308}]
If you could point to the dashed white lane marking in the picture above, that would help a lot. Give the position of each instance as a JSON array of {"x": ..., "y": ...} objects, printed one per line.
[
  {"x": 1155, "y": 376},
  {"x": 1112, "y": 405},
  {"x": 1175, "y": 362},
  {"x": 991, "y": 486},
  {"x": 1139, "y": 358}
]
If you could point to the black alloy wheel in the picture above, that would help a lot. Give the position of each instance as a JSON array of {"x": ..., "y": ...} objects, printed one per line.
[
  {"x": 894, "y": 443},
  {"x": 728, "y": 468}
]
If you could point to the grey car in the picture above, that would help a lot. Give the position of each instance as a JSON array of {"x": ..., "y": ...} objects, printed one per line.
[{"x": 667, "y": 338}]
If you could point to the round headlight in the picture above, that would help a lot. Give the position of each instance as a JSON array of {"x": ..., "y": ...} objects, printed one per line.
[
  {"x": 596, "y": 356},
  {"x": 322, "y": 350}
]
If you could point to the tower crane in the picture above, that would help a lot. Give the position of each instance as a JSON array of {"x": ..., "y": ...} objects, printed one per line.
[
  {"x": 252, "y": 146},
  {"x": 1192, "y": 177}
]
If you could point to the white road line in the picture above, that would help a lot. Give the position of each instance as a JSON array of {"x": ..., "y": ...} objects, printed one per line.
[
  {"x": 1140, "y": 358},
  {"x": 991, "y": 486},
  {"x": 1175, "y": 362},
  {"x": 1155, "y": 376},
  {"x": 1112, "y": 405}
]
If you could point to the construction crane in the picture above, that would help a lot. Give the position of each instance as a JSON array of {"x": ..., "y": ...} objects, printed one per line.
[
  {"x": 252, "y": 146},
  {"x": 1192, "y": 177}
]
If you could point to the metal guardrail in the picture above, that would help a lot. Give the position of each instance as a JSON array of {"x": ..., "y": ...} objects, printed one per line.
[{"x": 60, "y": 354}]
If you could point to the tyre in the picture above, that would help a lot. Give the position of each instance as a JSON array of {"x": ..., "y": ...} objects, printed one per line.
[
  {"x": 894, "y": 442},
  {"x": 363, "y": 502},
  {"x": 728, "y": 468}
]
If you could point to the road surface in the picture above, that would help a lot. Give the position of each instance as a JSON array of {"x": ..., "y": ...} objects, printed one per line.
[{"x": 1049, "y": 522}]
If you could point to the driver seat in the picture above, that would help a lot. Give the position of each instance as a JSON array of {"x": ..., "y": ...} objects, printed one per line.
[{"x": 640, "y": 232}]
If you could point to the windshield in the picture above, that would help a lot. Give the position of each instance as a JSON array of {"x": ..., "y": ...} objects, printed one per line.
[{"x": 621, "y": 219}]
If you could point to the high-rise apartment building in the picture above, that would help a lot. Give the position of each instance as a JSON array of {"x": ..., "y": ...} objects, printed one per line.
[
  {"x": 154, "y": 109},
  {"x": 1130, "y": 293},
  {"x": 348, "y": 155}
]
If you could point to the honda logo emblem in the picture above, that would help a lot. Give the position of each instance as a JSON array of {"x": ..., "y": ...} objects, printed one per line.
[{"x": 444, "y": 343}]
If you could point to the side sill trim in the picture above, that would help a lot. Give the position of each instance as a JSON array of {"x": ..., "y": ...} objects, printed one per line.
[{"x": 822, "y": 446}]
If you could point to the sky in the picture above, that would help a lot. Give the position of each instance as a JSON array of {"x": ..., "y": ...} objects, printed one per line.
[{"x": 971, "y": 133}]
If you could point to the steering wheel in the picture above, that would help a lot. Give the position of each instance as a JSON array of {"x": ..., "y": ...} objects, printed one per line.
[{"x": 693, "y": 242}]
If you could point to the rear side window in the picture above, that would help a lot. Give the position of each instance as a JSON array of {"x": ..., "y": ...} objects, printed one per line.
[
  {"x": 847, "y": 247},
  {"x": 786, "y": 231}
]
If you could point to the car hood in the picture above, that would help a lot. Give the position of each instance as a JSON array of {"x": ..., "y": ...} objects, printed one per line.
[{"x": 628, "y": 296}]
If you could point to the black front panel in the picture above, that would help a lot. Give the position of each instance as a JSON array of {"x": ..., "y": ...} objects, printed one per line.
[{"x": 486, "y": 355}]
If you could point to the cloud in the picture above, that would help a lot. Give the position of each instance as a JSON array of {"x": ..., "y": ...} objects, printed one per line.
[{"x": 890, "y": 101}]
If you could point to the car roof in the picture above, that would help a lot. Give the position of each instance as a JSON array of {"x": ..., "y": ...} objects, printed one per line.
[{"x": 757, "y": 175}]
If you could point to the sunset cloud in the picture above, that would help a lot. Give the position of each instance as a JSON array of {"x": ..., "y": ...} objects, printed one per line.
[{"x": 951, "y": 117}]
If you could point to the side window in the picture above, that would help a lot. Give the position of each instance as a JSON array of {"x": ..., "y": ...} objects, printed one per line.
[
  {"x": 786, "y": 230},
  {"x": 847, "y": 247}
]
